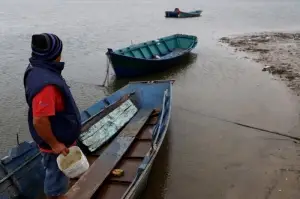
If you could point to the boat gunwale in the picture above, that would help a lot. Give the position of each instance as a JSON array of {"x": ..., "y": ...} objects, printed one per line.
[{"x": 156, "y": 150}]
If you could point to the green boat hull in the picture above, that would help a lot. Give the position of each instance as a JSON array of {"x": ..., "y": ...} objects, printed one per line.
[{"x": 152, "y": 56}]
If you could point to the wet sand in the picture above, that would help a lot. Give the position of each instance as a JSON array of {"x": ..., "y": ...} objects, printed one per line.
[
  {"x": 274, "y": 170},
  {"x": 279, "y": 53},
  {"x": 229, "y": 162}
]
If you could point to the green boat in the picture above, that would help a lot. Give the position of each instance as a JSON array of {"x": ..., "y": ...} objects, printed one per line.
[
  {"x": 151, "y": 56},
  {"x": 179, "y": 14}
]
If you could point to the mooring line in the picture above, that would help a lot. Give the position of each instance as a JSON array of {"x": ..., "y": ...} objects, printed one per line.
[
  {"x": 107, "y": 74},
  {"x": 241, "y": 124}
]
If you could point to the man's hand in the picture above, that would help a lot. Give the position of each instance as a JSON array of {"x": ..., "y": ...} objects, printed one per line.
[{"x": 60, "y": 148}]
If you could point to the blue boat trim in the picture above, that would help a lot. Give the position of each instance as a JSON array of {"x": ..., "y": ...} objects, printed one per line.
[{"x": 163, "y": 113}]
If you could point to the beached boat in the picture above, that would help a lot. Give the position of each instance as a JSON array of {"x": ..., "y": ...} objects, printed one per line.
[
  {"x": 179, "y": 14},
  {"x": 123, "y": 131},
  {"x": 152, "y": 56}
]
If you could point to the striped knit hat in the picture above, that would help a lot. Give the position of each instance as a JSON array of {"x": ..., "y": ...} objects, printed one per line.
[{"x": 46, "y": 46}]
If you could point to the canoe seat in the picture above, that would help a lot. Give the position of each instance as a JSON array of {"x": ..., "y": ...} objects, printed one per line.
[{"x": 174, "y": 53}]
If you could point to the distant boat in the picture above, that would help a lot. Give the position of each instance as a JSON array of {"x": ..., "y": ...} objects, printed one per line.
[
  {"x": 123, "y": 131},
  {"x": 151, "y": 56},
  {"x": 179, "y": 14}
]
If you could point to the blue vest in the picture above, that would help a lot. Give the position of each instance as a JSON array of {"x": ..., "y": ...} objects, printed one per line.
[{"x": 66, "y": 125}]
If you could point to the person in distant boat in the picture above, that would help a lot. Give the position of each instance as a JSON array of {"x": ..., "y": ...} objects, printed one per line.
[
  {"x": 53, "y": 117},
  {"x": 177, "y": 10}
]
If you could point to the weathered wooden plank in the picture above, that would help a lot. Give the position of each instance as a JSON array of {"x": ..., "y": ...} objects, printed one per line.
[
  {"x": 112, "y": 128},
  {"x": 104, "y": 112},
  {"x": 132, "y": 130},
  {"x": 108, "y": 126},
  {"x": 88, "y": 184},
  {"x": 111, "y": 117}
]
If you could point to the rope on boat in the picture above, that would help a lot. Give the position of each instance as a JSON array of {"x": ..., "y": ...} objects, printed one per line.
[
  {"x": 18, "y": 141},
  {"x": 107, "y": 74},
  {"x": 265, "y": 130},
  {"x": 243, "y": 125}
]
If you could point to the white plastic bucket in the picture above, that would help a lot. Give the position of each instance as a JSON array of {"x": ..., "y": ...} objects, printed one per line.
[{"x": 74, "y": 164}]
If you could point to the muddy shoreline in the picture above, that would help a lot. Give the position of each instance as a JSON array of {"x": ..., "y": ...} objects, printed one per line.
[{"x": 278, "y": 52}]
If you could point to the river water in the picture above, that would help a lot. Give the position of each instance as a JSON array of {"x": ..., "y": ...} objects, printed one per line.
[{"x": 203, "y": 157}]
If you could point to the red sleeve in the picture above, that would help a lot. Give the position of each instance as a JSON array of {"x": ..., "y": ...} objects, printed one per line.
[{"x": 44, "y": 103}]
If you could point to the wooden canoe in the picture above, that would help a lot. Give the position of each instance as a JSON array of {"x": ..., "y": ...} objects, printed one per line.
[
  {"x": 123, "y": 131},
  {"x": 151, "y": 56},
  {"x": 179, "y": 14}
]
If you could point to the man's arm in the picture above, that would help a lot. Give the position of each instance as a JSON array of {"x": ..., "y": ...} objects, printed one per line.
[
  {"x": 44, "y": 106},
  {"x": 43, "y": 128}
]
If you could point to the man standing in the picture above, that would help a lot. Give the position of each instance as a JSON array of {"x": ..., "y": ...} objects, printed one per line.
[{"x": 53, "y": 117}]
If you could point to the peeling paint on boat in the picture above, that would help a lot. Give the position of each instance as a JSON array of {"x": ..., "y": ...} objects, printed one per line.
[
  {"x": 110, "y": 117},
  {"x": 111, "y": 128},
  {"x": 108, "y": 126}
]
